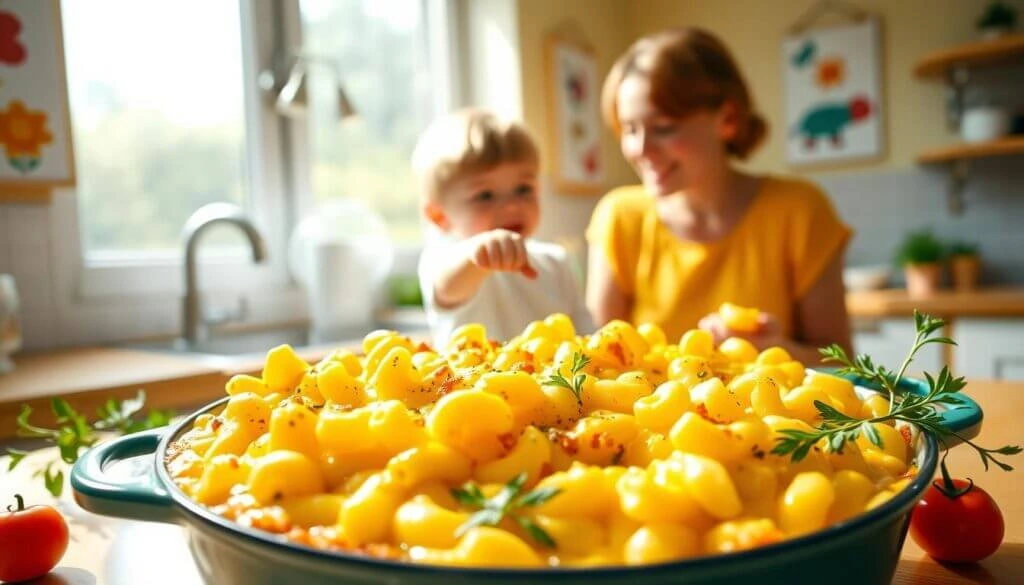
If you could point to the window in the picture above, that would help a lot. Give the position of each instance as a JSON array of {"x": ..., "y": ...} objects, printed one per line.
[
  {"x": 158, "y": 115},
  {"x": 168, "y": 114},
  {"x": 381, "y": 52}
]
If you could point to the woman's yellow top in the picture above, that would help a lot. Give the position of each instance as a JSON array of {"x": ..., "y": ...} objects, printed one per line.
[{"x": 775, "y": 253}]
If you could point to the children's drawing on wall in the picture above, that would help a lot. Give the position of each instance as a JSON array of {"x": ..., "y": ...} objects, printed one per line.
[
  {"x": 574, "y": 88},
  {"x": 834, "y": 109},
  {"x": 35, "y": 134}
]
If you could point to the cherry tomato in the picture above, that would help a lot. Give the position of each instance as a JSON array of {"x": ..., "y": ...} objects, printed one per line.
[
  {"x": 32, "y": 541},
  {"x": 957, "y": 528}
]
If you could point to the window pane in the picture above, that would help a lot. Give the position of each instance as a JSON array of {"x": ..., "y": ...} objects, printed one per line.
[
  {"x": 158, "y": 116},
  {"x": 379, "y": 48}
]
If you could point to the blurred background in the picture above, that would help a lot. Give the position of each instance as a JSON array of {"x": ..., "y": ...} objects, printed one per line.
[{"x": 307, "y": 111}]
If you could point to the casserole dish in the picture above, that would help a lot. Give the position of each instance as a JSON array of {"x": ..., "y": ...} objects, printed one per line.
[{"x": 862, "y": 550}]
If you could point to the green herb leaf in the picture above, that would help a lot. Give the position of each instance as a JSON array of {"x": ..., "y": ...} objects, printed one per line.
[
  {"x": 485, "y": 517},
  {"x": 74, "y": 432},
  {"x": 505, "y": 504},
  {"x": 53, "y": 480},
  {"x": 579, "y": 361},
  {"x": 62, "y": 410},
  {"x": 829, "y": 413},
  {"x": 943, "y": 391},
  {"x": 535, "y": 531},
  {"x": 871, "y": 433},
  {"x": 538, "y": 496},
  {"x": 16, "y": 456}
]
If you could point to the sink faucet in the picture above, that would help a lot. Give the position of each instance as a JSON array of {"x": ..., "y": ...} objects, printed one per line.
[{"x": 194, "y": 323}]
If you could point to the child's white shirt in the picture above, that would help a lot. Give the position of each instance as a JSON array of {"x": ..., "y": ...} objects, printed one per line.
[{"x": 507, "y": 301}]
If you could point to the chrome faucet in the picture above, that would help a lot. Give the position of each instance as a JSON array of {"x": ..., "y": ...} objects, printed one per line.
[{"x": 194, "y": 322}]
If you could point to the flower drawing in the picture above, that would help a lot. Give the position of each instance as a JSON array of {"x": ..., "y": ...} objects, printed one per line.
[
  {"x": 23, "y": 133},
  {"x": 831, "y": 72}
]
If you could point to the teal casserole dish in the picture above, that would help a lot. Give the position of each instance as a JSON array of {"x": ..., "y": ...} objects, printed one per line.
[{"x": 861, "y": 551}]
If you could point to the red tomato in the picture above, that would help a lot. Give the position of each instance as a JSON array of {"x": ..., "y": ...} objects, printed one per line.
[
  {"x": 960, "y": 529},
  {"x": 32, "y": 541}
]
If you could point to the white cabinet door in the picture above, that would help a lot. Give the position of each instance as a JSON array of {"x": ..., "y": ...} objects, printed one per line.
[
  {"x": 991, "y": 349},
  {"x": 887, "y": 341}
]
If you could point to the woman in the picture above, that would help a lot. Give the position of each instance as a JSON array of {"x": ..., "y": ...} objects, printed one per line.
[{"x": 698, "y": 231}]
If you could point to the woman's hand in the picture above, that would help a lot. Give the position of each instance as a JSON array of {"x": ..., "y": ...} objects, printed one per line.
[{"x": 765, "y": 334}]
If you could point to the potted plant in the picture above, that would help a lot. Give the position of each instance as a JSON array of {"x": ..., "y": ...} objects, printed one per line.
[
  {"x": 998, "y": 19},
  {"x": 920, "y": 254},
  {"x": 965, "y": 264}
]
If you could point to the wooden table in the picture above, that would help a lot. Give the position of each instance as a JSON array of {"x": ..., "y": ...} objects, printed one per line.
[{"x": 108, "y": 551}]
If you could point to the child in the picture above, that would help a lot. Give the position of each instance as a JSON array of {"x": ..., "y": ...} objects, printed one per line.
[{"x": 478, "y": 179}]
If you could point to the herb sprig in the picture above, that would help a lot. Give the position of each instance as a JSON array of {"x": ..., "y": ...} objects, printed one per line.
[
  {"x": 74, "y": 433},
  {"x": 506, "y": 503},
  {"x": 837, "y": 428},
  {"x": 579, "y": 361}
]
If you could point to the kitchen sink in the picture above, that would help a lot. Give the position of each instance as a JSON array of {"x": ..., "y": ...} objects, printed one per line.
[{"x": 231, "y": 344}]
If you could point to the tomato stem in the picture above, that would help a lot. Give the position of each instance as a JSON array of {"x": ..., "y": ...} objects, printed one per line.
[
  {"x": 21, "y": 504},
  {"x": 947, "y": 486}
]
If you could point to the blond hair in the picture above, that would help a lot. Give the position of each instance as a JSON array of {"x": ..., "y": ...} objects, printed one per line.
[
  {"x": 689, "y": 70},
  {"x": 465, "y": 142}
]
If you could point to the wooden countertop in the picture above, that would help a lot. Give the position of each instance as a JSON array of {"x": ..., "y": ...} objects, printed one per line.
[
  {"x": 984, "y": 302},
  {"x": 88, "y": 377},
  {"x": 108, "y": 551}
]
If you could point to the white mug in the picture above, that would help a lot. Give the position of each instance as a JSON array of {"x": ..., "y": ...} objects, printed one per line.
[
  {"x": 10, "y": 324},
  {"x": 984, "y": 123}
]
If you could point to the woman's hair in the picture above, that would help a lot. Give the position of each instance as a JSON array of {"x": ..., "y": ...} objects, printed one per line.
[
  {"x": 689, "y": 70},
  {"x": 468, "y": 141}
]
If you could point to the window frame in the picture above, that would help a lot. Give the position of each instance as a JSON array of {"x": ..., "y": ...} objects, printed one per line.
[
  {"x": 155, "y": 273},
  {"x": 444, "y": 19},
  {"x": 139, "y": 295}
]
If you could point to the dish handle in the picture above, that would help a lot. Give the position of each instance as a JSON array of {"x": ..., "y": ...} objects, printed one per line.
[
  {"x": 962, "y": 417},
  {"x": 118, "y": 478}
]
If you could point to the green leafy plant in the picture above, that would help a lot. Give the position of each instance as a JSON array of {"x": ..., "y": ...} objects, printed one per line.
[
  {"x": 507, "y": 503},
  {"x": 574, "y": 383},
  {"x": 74, "y": 433},
  {"x": 920, "y": 247},
  {"x": 998, "y": 15},
  {"x": 962, "y": 248},
  {"x": 404, "y": 291},
  {"x": 836, "y": 428}
]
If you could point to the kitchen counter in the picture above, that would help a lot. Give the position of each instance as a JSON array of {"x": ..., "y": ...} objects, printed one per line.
[
  {"x": 948, "y": 304},
  {"x": 107, "y": 551},
  {"x": 178, "y": 381},
  {"x": 88, "y": 377}
]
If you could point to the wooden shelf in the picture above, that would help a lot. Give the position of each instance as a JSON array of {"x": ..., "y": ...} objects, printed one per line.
[
  {"x": 975, "y": 54},
  {"x": 949, "y": 304},
  {"x": 1000, "y": 147},
  {"x": 34, "y": 196}
]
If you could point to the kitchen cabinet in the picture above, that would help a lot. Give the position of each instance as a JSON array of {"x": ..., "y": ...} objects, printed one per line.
[{"x": 989, "y": 348}]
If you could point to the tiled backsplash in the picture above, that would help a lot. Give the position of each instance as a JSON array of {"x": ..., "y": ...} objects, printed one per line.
[
  {"x": 882, "y": 207},
  {"x": 25, "y": 252}
]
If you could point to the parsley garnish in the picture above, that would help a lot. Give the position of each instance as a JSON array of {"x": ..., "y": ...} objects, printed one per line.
[
  {"x": 75, "y": 433},
  {"x": 579, "y": 361},
  {"x": 837, "y": 429},
  {"x": 505, "y": 503}
]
